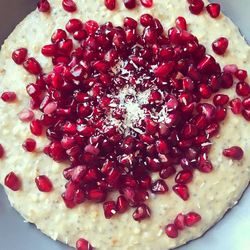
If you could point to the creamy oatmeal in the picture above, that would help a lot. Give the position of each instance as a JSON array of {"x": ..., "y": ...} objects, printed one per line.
[{"x": 211, "y": 195}]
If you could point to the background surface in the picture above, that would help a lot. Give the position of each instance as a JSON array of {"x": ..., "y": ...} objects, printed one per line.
[{"x": 232, "y": 233}]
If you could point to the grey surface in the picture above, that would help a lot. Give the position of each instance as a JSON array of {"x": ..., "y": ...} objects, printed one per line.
[{"x": 232, "y": 233}]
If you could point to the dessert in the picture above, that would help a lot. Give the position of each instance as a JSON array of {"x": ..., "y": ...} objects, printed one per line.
[{"x": 137, "y": 125}]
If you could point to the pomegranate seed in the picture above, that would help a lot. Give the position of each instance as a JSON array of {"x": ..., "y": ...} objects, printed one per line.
[
  {"x": 184, "y": 177},
  {"x": 213, "y": 9},
  {"x": 122, "y": 204},
  {"x": 220, "y": 45},
  {"x": 91, "y": 26},
  {"x": 196, "y": 7},
  {"x": 230, "y": 68},
  {"x": 58, "y": 36},
  {"x": 164, "y": 70},
  {"x": 235, "y": 153},
  {"x": 32, "y": 66},
  {"x": 12, "y": 181},
  {"x": 205, "y": 165},
  {"x": 246, "y": 114},
  {"x": 179, "y": 221},
  {"x": 29, "y": 145},
  {"x": 236, "y": 106},
  {"x": 220, "y": 100},
  {"x": 241, "y": 74},
  {"x": 19, "y": 55},
  {"x": 110, "y": 4},
  {"x": 130, "y": 22},
  {"x": 74, "y": 25},
  {"x": 43, "y": 183},
  {"x": 109, "y": 208},
  {"x": 246, "y": 103},
  {"x": 43, "y": 6},
  {"x": 171, "y": 231},
  {"x": 129, "y": 4},
  {"x": 83, "y": 244},
  {"x": 159, "y": 187},
  {"x": 142, "y": 212},
  {"x": 8, "y": 96},
  {"x": 96, "y": 195},
  {"x": 146, "y": 20},
  {"x": 147, "y": 3},
  {"x": 1, "y": 151},
  {"x": 36, "y": 128},
  {"x": 69, "y": 5},
  {"x": 49, "y": 50},
  {"x": 242, "y": 89},
  {"x": 182, "y": 191},
  {"x": 181, "y": 23},
  {"x": 192, "y": 218}
]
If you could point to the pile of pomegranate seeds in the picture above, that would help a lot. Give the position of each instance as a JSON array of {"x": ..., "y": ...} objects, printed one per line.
[
  {"x": 180, "y": 222},
  {"x": 43, "y": 6},
  {"x": 12, "y": 181},
  {"x": 83, "y": 244},
  {"x": 122, "y": 105}
]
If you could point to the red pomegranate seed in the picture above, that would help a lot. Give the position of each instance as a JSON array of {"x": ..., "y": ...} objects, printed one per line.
[
  {"x": 49, "y": 50},
  {"x": 36, "y": 128},
  {"x": 130, "y": 22},
  {"x": 230, "y": 68},
  {"x": 191, "y": 219},
  {"x": 1, "y": 151},
  {"x": 43, "y": 6},
  {"x": 220, "y": 114},
  {"x": 142, "y": 212},
  {"x": 109, "y": 208},
  {"x": 44, "y": 184},
  {"x": 122, "y": 204},
  {"x": 29, "y": 145},
  {"x": 12, "y": 181},
  {"x": 110, "y": 4},
  {"x": 180, "y": 221},
  {"x": 171, "y": 231},
  {"x": 159, "y": 187},
  {"x": 213, "y": 9},
  {"x": 246, "y": 103},
  {"x": 220, "y": 100},
  {"x": 220, "y": 45},
  {"x": 96, "y": 195},
  {"x": 8, "y": 96},
  {"x": 205, "y": 165},
  {"x": 69, "y": 5},
  {"x": 182, "y": 191},
  {"x": 58, "y": 36},
  {"x": 147, "y": 3},
  {"x": 235, "y": 153},
  {"x": 91, "y": 26},
  {"x": 19, "y": 55},
  {"x": 181, "y": 23},
  {"x": 129, "y": 4},
  {"x": 196, "y": 7},
  {"x": 241, "y": 74},
  {"x": 32, "y": 66},
  {"x": 246, "y": 114},
  {"x": 83, "y": 244},
  {"x": 242, "y": 89},
  {"x": 50, "y": 108},
  {"x": 184, "y": 177},
  {"x": 164, "y": 69},
  {"x": 146, "y": 20},
  {"x": 74, "y": 25},
  {"x": 236, "y": 106}
]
